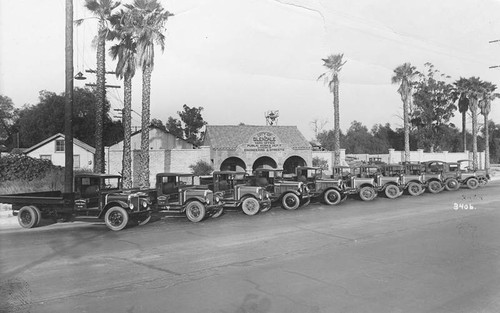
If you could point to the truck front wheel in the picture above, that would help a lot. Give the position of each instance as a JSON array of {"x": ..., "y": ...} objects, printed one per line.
[
  {"x": 472, "y": 183},
  {"x": 290, "y": 201},
  {"x": 392, "y": 192},
  {"x": 367, "y": 193},
  {"x": 332, "y": 197},
  {"x": 452, "y": 184},
  {"x": 195, "y": 211},
  {"x": 116, "y": 218},
  {"x": 27, "y": 217},
  {"x": 435, "y": 187},
  {"x": 250, "y": 206}
]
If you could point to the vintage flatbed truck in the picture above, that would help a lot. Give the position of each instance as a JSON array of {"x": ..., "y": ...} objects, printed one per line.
[
  {"x": 291, "y": 194},
  {"x": 236, "y": 193},
  {"x": 96, "y": 196},
  {"x": 327, "y": 190},
  {"x": 178, "y": 193}
]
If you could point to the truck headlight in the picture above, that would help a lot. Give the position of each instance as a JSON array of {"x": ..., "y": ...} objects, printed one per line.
[{"x": 131, "y": 206}]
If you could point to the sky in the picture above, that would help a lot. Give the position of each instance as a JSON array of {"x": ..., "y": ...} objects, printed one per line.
[{"x": 240, "y": 58}]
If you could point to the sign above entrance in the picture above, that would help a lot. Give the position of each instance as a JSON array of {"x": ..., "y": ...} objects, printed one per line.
[{"x": 264, "y": 141}]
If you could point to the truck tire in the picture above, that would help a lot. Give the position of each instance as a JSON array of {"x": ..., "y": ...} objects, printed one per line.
[
  {"x": 290, "y": 201},
  {"x": 116, "y": 218},
  {"x": 452, "y": 184},
  {"x": 392, "y": 191},
  {"x": 367, "y": 193},
  {"x": 482, "y": 180},
  {"x": 472, "y": 183},
  {"x": 195, "y": 211},
  {"x": 414, "y": 189},
  {"x": 250, "y": 206},
  {"x": 27, "y": 217},
  {"x": 332, "y": 197},
  {"x": 435, "y": 187}
]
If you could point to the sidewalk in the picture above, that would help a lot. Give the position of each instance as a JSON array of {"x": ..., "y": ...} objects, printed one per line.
[{"x": 7, "y": 220}]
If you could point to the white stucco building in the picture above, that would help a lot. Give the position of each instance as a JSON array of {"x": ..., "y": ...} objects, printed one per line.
[{"x": 53, "y": 148}]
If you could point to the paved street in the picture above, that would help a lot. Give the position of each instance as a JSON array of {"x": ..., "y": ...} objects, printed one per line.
[{"x": 412, "y": 254}]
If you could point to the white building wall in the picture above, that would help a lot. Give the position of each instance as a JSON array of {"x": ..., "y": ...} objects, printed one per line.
[{"x": 58, "y": 158}]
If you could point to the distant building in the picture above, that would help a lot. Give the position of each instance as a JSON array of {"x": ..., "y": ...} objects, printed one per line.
[
  {"x": 167, "y": 153},
  {"x": 53, "y": 149},
  {"x": 247, "y": 147}
]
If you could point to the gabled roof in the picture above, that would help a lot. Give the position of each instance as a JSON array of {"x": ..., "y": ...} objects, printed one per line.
[
  {"x": 60, "y": 136},
  {"x": 230, "y": 136}
]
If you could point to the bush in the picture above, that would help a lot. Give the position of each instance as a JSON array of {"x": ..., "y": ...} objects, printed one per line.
[
  {"x": 22, "y": 167},
  {"x": 319, "y": 162},
  {"x": 201, "y": 168}
]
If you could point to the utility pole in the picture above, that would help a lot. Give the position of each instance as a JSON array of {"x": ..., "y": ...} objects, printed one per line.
[{"x": 68, "y": 108}]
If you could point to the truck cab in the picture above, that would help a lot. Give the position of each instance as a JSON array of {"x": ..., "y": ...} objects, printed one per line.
[
  {"x": 328, "y": 190},
  {"x": 235, "y": 191},
  {"x": 178, "y": 192},
  {"x": 291, "y": 194}
]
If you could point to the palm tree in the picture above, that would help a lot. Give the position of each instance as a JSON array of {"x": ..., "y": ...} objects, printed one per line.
[
  {"x": 102, "y": 10},
  {"x": 334, "y": 64},
  {"x": 475, "y": 90},
  {"x": 463, "y": 107},
  {"x": 125, "y": 51},
  {"x": 404, "y": 75},
  {"x": 149, "y": 18},
  {"x": 485, "y": 107}
]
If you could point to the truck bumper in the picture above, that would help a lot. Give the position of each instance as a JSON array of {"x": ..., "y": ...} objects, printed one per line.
[{"x": 265, "y": 204}]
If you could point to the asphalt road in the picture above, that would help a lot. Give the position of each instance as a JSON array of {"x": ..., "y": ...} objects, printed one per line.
[{"x": 412, "y": 254}]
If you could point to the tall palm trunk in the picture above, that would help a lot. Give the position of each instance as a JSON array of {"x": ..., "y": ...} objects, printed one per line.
[
  {"x": 473, "y": 109},
  {"x": 145, "y": 122},
  {"x": 336, "y": 126},
  {"x": 464, "y": 130},
  {"x": 99, "y": 165},
  {"x": 127, "y": 129},
  {"x": 487, "y": 146},
  {"x": 406, "y": 126}
]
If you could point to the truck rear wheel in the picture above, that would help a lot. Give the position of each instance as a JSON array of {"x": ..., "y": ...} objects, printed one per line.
[
  {"x": 27, "y": 217},
  {"x": 250, "y": 206},
  {"x": 143, "y": 218},
  {"x": 392, "y": 192},
  {"x": 332, "y": 197},
  {"x": 195, "y": 211},
  {"x": 290, "y": 201},
  {"x": 116, "y": 218},
  {"x": 218, "y": 213}
]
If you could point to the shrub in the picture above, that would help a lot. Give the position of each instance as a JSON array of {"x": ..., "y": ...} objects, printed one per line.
[
  {"x": 201, "y": 168},
  {"x": 319, "y": 162},
  {"x": 22, "y": 167}
]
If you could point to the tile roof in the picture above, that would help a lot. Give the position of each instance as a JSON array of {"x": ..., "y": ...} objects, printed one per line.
[{"x": 230, "y": 136}]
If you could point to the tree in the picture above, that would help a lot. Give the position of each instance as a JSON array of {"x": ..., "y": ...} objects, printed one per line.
[
  {"x": 404, "y": 75},
  {"x": 321, "y": 163},
  {"x": 7, "y": 113},
  {"x": 327, "y": 138},
  {"x": 38, "y": 122},
  {"x": 101, "y": 9},
  {"x": 201, "y": 168},
  {"x": 475, "y": 90},
  {"x": 148, "y": 19},
  {"x": 174, "y": 126},
  {"x": 433, "y": 108},
  {"x": 317, "y": 126},
  {"x": 125, "y": 51},
  {"x": 334, "y": 64},
  {"x": 193, "y": 122},
  {"x": 158, "y": 124},
  {"x": 485, "y": 106},
  {"x": 189, "y": 126},
  {"x": 358, "y": 139}
]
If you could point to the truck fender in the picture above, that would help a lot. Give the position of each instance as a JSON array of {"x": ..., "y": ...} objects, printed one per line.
[
  {"x": 112, "y": 204},
  {"x": 196, "y": 198},
  {"x": 290, "y": 191},
  {"x": 366, "y": 185}
]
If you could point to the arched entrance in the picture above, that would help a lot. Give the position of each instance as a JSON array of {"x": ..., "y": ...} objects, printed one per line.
[
  {"x": 291, "y": 164},
  {"x": 233, "y": 164},
  {"x": 264, "y": 162}
]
